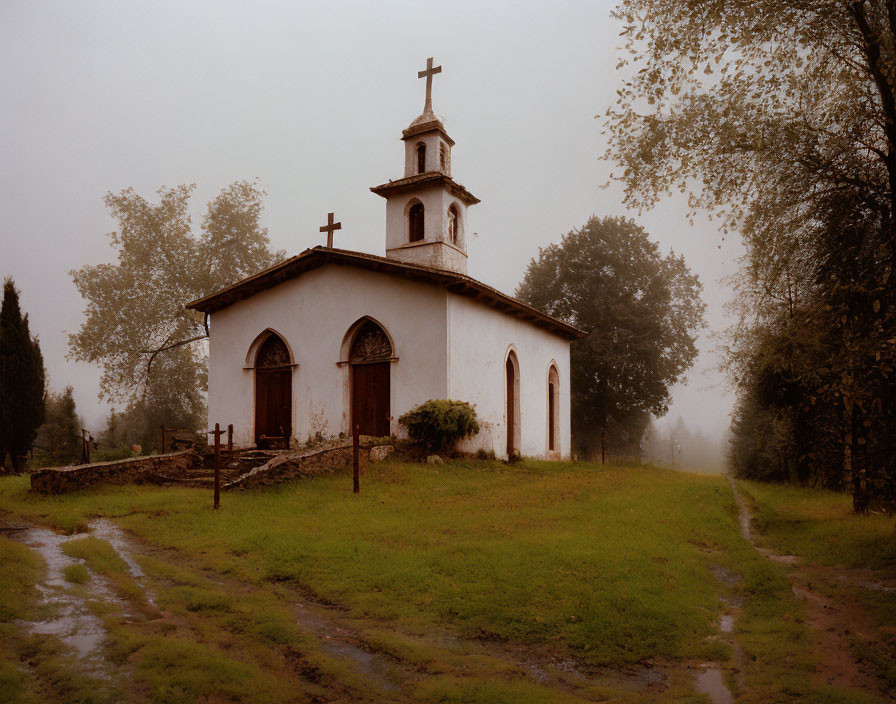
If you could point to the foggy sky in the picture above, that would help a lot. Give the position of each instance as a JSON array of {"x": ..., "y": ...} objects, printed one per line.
[{"x": 311, "y": 100}]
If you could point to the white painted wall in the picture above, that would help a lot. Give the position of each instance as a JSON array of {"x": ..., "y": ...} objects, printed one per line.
[
  {"x": 479, "y": 340},
  {"x": 312, "y": 314},
  {"x": 447, "y": 347}
]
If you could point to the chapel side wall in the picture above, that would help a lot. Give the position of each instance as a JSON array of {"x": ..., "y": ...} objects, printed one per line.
[
  {"x": 478, "y": 342},
  {"x": 312, "y": 314}
]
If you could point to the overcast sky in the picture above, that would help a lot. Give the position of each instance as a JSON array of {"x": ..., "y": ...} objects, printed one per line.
[{"x": 311, "y": 99}]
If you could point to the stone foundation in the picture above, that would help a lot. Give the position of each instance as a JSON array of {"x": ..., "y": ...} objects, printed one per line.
[{"x": 136, "y": 470}]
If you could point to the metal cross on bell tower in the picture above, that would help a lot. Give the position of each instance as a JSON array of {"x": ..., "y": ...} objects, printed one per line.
[
  {"x": 428, "y": 74},
  {"x": 329, "y": 227}
]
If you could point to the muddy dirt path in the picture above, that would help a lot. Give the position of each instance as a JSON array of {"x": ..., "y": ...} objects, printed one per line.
[{"x": 834, "y": 624}]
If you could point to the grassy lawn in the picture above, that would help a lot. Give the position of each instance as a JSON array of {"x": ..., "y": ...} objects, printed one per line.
[
  {"x": 610, "y": 563},
  {"x": 454, "y": 572}
]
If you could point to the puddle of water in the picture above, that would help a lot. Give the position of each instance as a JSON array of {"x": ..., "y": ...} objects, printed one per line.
[
  {"x": 711, "y": 683},
  {"x": 726, "y": 624},
  {"x": 334, "y": 642},
  {"x": 108, "y": 531},
  {"x": 71, "y": 622}
]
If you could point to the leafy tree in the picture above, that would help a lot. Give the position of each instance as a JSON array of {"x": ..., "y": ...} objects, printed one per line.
[
  {"x": 59, "y": 438},
  {"x": 779, "y": 116},
  {"x": 136, "y": 326},
  {"x": 642, "y": 311},
  {"x": 21, "y": 381}
]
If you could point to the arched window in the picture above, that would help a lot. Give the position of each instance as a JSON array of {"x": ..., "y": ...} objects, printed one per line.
[
  {"x": 415, "y": 222},
  {"x": 553, "y": 410},
  {"x": 421, "y": 158},
  {"x": 512, "y": 378},
  {"x": 453, "y": 224}
]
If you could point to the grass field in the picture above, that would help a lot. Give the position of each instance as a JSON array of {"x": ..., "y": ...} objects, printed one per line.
[{"x": 452, "y": 583}]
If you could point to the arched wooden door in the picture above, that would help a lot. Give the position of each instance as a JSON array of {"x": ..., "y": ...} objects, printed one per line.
[
  {"x": 273, "y": 394},
  {"x": 370, "y": 371}
]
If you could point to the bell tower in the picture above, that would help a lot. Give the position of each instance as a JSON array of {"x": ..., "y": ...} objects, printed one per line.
[{"x": 426, "y": 210}]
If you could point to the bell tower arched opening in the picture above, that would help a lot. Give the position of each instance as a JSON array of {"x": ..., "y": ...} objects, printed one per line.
[{"x": 415, "y": 222}]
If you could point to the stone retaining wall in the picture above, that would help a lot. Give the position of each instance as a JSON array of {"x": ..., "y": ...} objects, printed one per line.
[{"x": 135, "y": 470}]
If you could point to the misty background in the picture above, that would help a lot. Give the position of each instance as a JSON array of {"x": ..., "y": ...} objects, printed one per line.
[{"x": 311, "y": 100}]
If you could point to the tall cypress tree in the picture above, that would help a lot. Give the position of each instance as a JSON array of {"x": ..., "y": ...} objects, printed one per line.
[{"x": 22, "y": 391}]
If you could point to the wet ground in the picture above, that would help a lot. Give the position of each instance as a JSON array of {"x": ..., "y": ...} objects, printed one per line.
[
  {"x": 64, "y": 607},
  {"x": 65, "y": 612},
  {"x": 834, "y": 623}
]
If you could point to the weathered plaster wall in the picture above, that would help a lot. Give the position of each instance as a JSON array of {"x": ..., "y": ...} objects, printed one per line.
[
  {"x": 312, "y": 314},
  {"x": 479, "y": 340}
]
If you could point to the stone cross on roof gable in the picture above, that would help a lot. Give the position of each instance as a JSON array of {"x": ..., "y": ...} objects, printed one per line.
[
  {"x": 428, "y": 74},
  {"x": 329, "y": 227}
]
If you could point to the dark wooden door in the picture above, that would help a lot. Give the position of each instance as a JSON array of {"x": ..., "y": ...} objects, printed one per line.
[
  {"x": 273, "y": 403},
  {"x": 511, "y": 402},
  {"x": 370, "y": 398}
]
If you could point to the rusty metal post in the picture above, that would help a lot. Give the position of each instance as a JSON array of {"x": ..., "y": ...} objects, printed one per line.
[
  {"x": 217, "y": 465},
  {"x": 603, "y": 446},
  {"x": 230, "y": 437},
  {"x": 356, "y": 441},
  {"x": 162, "y": 430}
]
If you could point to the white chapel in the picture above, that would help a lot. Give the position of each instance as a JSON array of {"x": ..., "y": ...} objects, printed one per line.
[{"x": 331, "y": 338}]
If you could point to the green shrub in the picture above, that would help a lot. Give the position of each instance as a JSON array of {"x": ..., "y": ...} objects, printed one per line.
[{"x": 440, "y": 423}]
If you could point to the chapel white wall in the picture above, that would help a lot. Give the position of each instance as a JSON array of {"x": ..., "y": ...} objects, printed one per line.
[
  {"x": 312, "y": 314},
  {"x": 479, "y": 339}
]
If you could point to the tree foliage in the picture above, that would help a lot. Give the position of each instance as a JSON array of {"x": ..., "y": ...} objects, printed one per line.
[
  {"x": 21, "y": 381},
  {"x": 59, "y": 438},
  {"x": 136, "y": 325},
  {"x": 642, "y": 311},
  {"x": 780, "y": 117}
]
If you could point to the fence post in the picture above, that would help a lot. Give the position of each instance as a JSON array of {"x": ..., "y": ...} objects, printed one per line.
[
  {"x": 356, "y": 432},
  {"x": 217, "y": 465},
  {"x": 162, "y": 431},
  {"x": 230, "y": 437},
  {"x": 603, "y": 446}
]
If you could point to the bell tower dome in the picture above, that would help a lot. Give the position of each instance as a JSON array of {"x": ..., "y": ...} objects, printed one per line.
[{"x": 426, "y": 210}]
